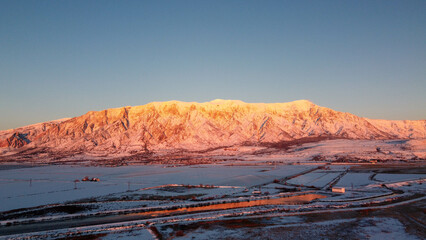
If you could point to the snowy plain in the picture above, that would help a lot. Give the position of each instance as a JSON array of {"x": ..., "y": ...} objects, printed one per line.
[{"x": 30, "y": 187}]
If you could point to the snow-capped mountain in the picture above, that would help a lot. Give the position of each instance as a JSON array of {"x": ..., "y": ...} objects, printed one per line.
[{"x": 196, "y": 126}]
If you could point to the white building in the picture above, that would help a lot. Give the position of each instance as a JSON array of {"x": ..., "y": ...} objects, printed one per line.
[{"x": 338, "y": 189}]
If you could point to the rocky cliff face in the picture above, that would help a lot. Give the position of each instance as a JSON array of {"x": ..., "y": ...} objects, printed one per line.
[
  {"x": 17, "y": 140},
  {"x": 197, "y": 126}
]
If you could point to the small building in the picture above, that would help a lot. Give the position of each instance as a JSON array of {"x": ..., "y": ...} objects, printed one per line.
[
  {"x": 338, "y": 189},
  {"x": 256, "y": 192}
]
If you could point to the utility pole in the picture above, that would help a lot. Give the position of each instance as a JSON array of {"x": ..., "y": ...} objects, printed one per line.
[{"x": 75, "y": 183}]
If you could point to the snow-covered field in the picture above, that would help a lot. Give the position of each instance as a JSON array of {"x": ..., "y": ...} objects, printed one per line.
[
  {"x": 315, "y": 179},
  {"x": 350, "y": 150},
  {"x": 318, "y": 178},
  {"x": 29, "y": 187},
  {"x": 158, "y": 189},
  {"x": 355, "y": 179},
  {"x": 387, "y": 177}
]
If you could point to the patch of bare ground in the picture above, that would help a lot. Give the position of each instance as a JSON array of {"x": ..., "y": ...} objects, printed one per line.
[
  {"x": 413, "y": 217},
  {"x": 265, "y": 229},
  {"x": 171, "y": 159},
  {"x": 85, "y": 237},
  {"x": 29, "y": 213},
  {"x": 339, "y": 225},
  {"x": 403, "y": 168},
  {"x": 285, "y": 145},
  {"x": 14, "y": 166},
  {"x": 343, "y": 230},
  {"x": 184, "y": 229},
  {"x": 138, "y": 196},
  {"x": 156, "y": 233}
]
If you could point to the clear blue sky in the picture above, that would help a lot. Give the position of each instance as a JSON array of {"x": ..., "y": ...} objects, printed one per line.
[{"x": 63, "y": 58}]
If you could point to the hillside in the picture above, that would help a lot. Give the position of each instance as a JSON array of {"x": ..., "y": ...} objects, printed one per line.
[{"x": 194, "y": 126}]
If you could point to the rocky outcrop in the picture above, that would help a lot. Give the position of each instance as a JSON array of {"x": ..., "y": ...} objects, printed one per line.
[{"x": 17, "y": 140}]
